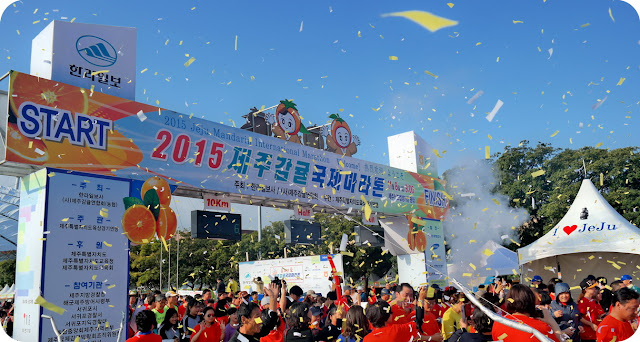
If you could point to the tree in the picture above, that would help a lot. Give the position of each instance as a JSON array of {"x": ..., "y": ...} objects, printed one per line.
[
  {"x": 8, "y": 272},
  {"x": 554, "y": 190}
]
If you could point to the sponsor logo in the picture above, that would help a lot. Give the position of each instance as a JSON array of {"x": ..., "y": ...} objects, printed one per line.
[{"x": 96, "y": 51}]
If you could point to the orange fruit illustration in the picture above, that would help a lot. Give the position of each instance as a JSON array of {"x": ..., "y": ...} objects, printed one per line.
[
  {"x": 121, "y": 153},
  {"x": 19, "y": 150},
  {"x": 421, "y": 241},
  {"x": 138, "y": 224},
  {"x": 162, "y": 187},
  {"x": 48, "y": 93},
  {"x": 167, "y": 223}
]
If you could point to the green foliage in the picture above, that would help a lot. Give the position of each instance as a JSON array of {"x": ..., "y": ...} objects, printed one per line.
[
  {"x": 203, "y": 261},
  {"x": 554, "y": 191},
  {"x": 7, "y": 272}
]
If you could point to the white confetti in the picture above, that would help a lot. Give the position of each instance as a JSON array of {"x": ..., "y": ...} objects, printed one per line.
[
  {"x": 495, "y": 110},
  {"x": 301, "y": 23},
  {"x": 475, "y": 97},
  {"x": 141, "y": 116},
  {"x": 599, "y": 103},
  {"x": 550, "y": 53},
  {"x": 39, "y": 151}
]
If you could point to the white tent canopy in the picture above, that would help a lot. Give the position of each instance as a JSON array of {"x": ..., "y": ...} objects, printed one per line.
[
  {"x": 592, "y": 238},
  {"x": 501, "y": 262}
]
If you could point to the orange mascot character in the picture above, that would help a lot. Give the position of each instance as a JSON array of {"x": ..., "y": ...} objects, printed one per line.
[
  {"x": 339, "y": 138},
  {"x": 286, "y": 122}
]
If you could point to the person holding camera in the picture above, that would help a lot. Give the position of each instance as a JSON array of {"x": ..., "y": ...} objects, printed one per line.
[{"x": 259, "y": 285}]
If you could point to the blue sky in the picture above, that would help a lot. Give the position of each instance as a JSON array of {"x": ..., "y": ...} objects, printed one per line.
[{"x": 311, "y": 51}]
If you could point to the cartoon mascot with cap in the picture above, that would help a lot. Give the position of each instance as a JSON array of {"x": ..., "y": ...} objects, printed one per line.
[
  {"x": 286, "y": 122},
  {"x": 339, "y": 138}
]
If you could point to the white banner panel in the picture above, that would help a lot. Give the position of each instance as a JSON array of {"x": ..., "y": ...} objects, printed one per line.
[
  {"x": 309, "y": 272},
  {"x": 86, "y": 263},
  {"x": 90, "y": 56}
]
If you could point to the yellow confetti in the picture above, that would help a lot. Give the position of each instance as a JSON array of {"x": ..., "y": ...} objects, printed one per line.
[
  {"x": 466, "y": 274},
  {"x": 487, "y": 252},
  {"x": 621, "y": 81},
  {"x": 554, "y": 134},
  {"x": 393, "y": 58},
  {"x": 495, "y": 201},
  {"x": 487, "y": 152},
  {"x": 93, "y": 73},
  {"x": 472, "y": 266},
  {"x": 191, "y": 60},
  {"x": 111, "y": 286},
  {"x": 104, "y": 212},
  {"x": 598, "y": 144},
  {"x": 611, "y": 15},
  {"x": 106, "y": 244},
  {"x": 259, "y": 320},
  {"x": 601, "y": 179},
  {"x": 518, "y": 22},
  {"x": 349, "y": 254},
  {"x": 430, "y": 74},
  {"x": 538, "y": 173},
  {"x": 77, "y": 339},
  {"x": 65, "y": 219},
  {"x": 427, "y": 20},
  {"x": 49, "y": 306},
  {"x": 143, "y": 70},
  {"x": 585, "y": 25},
  {"x": 503, "y": 336},
  {"x": 93, "y": 277}
]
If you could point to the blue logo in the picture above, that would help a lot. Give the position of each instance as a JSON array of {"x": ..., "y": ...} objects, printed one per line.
[{"x": 96, "y": 51}]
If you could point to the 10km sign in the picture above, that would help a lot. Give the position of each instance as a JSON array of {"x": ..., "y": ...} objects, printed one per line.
[{"x": 216, "y": 203}]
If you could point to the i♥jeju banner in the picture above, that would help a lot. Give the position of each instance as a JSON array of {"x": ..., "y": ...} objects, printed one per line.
[{"x": 58, "y": 125}]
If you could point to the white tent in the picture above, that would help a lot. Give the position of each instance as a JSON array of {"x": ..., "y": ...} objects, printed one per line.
[
  {"x": 592, "y": 238},
  {"x": 4, "y": 291},
  {"x": 501, "y": 262}
]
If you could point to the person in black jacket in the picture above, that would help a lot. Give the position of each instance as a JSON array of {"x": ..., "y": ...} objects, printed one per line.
[
  {"x": 298, "y": 319},
  {"x": 253, "y": 323},
  {"x": 481, "y": 322}
]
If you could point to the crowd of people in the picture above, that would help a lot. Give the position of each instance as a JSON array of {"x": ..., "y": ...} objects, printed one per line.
[{"x": 602, "y": 313}]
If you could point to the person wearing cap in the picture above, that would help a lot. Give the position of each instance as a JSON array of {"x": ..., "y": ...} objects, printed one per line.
[
  {"x": 605, "y": 294},
  {"x": 316, "y": 316},
  {"x": 346, "y": 295},
  {"x": 591, "y": 312},
  {"x": 361, "y": 294},
  {"x": 451, "y": 318},
  {"x": 385, "y": 295},
  {"x": 536, "y": 280},
  {"x": 172, "y": 301},
  {"x": 427, "y": 322},
  {"x": 159, "y": 311},
  {"x": 565, "y": 312},
  {"x": 628, "y": 282},
  {"x": 616, "y": 326}
]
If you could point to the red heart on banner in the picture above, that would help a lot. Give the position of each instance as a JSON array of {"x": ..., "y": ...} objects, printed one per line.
[{"x": 570, "y": 229}]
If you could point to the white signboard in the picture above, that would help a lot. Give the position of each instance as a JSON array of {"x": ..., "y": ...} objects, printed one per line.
[
  {"x": 412, "y": 269},
  {"x": 91, "y": 56},
  {"x": 85, "y": 267},
  {"x": 310, "y": 272},
  {"x": 371, "y": 221},
  {"x": 216, "y": 203},
  {"x": 302, "y": 213},
  {"x": 435, "y": 254},
  {"x": 410, "y": 152},
  {"x": 26, "y": 323}
]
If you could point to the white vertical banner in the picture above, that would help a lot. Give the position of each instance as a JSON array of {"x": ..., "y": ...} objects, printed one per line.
[{"x": 86, "y": 256}]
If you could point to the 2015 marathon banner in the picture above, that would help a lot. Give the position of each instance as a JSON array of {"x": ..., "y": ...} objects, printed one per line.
[{"x": 58, "y": 125}]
